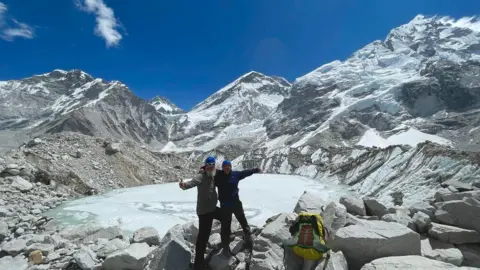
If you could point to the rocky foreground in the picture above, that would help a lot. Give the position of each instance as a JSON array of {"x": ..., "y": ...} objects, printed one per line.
[{"x": 441, "y": 234}]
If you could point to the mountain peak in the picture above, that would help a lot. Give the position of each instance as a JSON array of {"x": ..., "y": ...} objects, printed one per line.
[{"x": 164, "y": 105}]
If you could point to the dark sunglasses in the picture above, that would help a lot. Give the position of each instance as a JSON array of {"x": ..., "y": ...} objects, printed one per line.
[{"x": 210, "y": 164}]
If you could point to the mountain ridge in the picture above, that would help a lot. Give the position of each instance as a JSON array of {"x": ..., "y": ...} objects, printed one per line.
[{"x": 387, "y": 89}]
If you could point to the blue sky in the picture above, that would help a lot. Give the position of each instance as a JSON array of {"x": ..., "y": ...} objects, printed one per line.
[{"x": 187, "y": 50}]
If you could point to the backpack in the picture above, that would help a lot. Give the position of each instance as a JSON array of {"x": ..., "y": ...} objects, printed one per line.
[{"x": 308, "y": 237}]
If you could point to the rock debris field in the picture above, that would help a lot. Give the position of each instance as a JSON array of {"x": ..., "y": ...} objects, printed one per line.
[{"x": 442, "y": 233}]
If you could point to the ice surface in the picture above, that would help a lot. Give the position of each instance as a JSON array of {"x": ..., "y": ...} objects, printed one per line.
[{"x": 165, "y": 205}]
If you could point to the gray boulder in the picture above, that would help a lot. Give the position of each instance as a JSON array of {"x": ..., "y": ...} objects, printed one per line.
[
  {"x": 13, "y": 263},
  {"x": 407, "y": 262},
  {"x": 4, "y": 231},
  {"x": 3, "y": 211},
  {"x": 309, "y": 202},
  {"x": 334, "y": 217},
  {"x": 423, "y": 207},
  {"x": 85, "y": 258},
  {"x": 336, "y": 261},
  {"x": 463, "y": 214},
  {"x": 34, "y": 142},
  {"x": 476, "y": 184},
  {"x": 460, "y": 186},
  {"x": 133, "y": 257},
  {"x": 105, "y": 233},
  {"x": 267, "y": 247},
  {"x": 110, "y": 247},
  {"x": 147, "y": 235},
  {"x": 79, "y": 232},
  {"x": 214, "y": 240},
  {"x": 471, "y": 254},
  {"x": 440, "y": 251},
  {"x": 220, "y": 262},
  {"x": 422, "y": 221},
  {"x": 453, "y": 235},
  {"x": 354, "y": 206},
  {"x": 172, "y": 254},
  {"x": 400, "y": 217},
  {"x": 374, "y": 207},
  {"x": 20, "y": 183},
  {"x": 236, "y": 245},
  {"x": 370, "y": 240},
  {"x": 14, "y": 247},
  {"x": 113, "y": 148},
  {"x": 445, "y": 195}
]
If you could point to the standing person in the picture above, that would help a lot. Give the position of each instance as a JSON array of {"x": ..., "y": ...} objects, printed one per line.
[
  {"x": 207, "y": 209},
  {"x": 227, "y": 182}
]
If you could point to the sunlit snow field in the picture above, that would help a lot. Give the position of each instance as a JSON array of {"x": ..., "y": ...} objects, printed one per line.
[{"x": 163, "y": 206}]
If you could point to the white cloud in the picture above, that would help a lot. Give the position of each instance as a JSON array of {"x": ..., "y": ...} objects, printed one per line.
[
  {"x": 15, "y": 29},
  {"x": 107, "y": 25}
]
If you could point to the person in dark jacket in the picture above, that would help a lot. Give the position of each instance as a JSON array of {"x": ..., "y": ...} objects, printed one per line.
[
  {"x": 207, "y": 209},
  {"x": 227, "y": 182}
]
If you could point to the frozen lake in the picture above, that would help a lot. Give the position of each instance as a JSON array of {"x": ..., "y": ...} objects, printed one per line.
[{"x": 165, "y": 205}]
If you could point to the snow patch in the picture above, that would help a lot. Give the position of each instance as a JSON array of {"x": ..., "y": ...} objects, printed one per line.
[
  {"x": 410, "y": 137},
  {"x": 370, "y": 138},
  {"x": 413, "y": 137}
]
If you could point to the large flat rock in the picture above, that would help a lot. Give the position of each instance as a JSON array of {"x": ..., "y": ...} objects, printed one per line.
[
  {"x": 407, "y": 262},
  {"x": 452, "y": 234},
  {"x": 464, "y": 214},
  {"x": 369, "y": 240},
  {"x": 309, "y": 202},
  {"x": 441, "y": 251}
]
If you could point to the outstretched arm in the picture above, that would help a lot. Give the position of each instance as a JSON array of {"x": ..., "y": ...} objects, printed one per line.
[
  {"x": 197, "y": 180},
  {"x": 247, "y": 173}
]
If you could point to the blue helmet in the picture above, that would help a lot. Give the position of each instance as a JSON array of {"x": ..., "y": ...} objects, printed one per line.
[
  {"x": 226, "y": 162},
  {"x": 210, "y": 160}
]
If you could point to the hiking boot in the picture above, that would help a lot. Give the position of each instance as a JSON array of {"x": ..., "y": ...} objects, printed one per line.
[{"x": 226, "y": 252}]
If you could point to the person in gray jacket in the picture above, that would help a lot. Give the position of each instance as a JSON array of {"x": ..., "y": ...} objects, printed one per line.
[{"x": 207, "y": 209}]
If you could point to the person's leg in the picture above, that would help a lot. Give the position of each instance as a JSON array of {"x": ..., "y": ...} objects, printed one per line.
[
  {"x": 225, "y": 231},
  {"x": 219, "y": 215},
  {"x": 204, "y": 229},
  {"x": 240, "y": 215}
]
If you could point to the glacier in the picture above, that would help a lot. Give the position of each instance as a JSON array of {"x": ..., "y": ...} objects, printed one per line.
[{"x": 163, "y": 206}]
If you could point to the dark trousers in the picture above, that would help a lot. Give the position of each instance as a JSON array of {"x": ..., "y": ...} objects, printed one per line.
[
  {"x": 235, "y": 208},
  {"x": 204, "y": 229}
]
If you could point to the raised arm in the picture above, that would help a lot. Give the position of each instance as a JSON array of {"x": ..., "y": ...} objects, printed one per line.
[
  {"x": 247, "y": 173},
  {"x": 197, "y": 180}
]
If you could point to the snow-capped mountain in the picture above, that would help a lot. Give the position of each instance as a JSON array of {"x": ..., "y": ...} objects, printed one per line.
[
  {"x": 75, "y": 101},
  {"x": 165, "y": 106},
  {"x": 233, "y": 115},
  {"x": 421, "y": 83}
]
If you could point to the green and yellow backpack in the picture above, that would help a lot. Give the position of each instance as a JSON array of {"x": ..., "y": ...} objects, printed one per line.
[{"x": 308, "y": 237}]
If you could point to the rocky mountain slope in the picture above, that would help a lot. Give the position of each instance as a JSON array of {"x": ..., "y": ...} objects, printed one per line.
[
  {"x": 420, "y": 83},
  {"x": 234, "y": 115},
  {"x": 85, "y": 165},
  {"x": 163, "y": 105},
  {"x": 422, "y": 80},
  {"x": 74, "y": 101}
]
